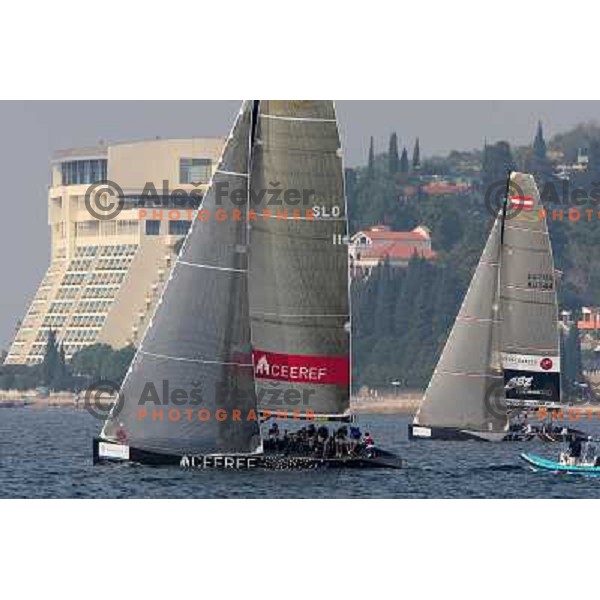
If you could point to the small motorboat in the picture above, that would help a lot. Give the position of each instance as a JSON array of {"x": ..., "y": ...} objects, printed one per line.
[{"x": 585, "y": 461}]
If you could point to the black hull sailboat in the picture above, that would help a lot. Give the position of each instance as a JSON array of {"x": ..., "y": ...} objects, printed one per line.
[
  {"x": 419, "y": 432},
  {"x": 504, "y": 344},
  {"x": 109, "y": 452},
  {"x": 255, "y": 312}
]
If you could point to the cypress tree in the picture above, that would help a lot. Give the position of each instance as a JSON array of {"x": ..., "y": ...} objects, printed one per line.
[
  {"x": 539, "y": 144},
  {"x": 50, "y": 364},
  {"x": 416, "y": 159},
  {"x": 371, "y": 165},
  {"x": 404, "y": 162},
  {"x": 393, "y": 160}
]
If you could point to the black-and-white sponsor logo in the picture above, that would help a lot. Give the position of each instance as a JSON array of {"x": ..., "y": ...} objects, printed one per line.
[{"x": 219, "y": 462}]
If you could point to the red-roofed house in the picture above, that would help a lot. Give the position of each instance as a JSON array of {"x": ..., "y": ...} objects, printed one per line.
[
  {"x": 379, "y": 243},
  {"x": 445, "y": 188}
]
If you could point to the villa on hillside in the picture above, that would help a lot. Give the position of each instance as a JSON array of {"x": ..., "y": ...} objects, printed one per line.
[{"x": 373, "y": 246}]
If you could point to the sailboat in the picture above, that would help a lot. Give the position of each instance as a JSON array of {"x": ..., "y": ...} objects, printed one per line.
[
  {"x": 504, "y": 346},
  {"x": 253, "y": 323}
]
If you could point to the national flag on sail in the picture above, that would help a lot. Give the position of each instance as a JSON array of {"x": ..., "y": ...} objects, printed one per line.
[{"x": 521, "y": 202}]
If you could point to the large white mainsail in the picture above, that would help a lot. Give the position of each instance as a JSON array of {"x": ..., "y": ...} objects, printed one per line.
[
  {"x": 465, "y": 391},
  {"x": 299, "y": 301},
  {"x": 530, "y": 338},
  {"x": 195, "y": 358}
]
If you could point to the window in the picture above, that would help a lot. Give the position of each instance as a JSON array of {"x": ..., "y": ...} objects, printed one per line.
[
  {"x": 75, "y": 172},
  {"x": 152, "y": 227},
  {"x": 86, "y": 228},
  {"x": 195, "y": 170},
  {"x": 178, "y": 227},
  {"x": 127, "y": 227},
  {"x": 108, "y": 228}
]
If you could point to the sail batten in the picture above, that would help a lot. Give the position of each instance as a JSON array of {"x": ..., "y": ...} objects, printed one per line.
[{"x": 215, "y": 267}]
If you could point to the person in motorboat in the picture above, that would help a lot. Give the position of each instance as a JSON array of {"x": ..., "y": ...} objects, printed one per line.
[
  {"x": 572, "y": 456},
  {"x": 575, "y": 447}
]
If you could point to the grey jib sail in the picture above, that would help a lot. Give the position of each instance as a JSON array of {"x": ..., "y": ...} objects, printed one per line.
[
  {"x": 197, "y": 348},
  {"x": 530, "y": 340},
  {"x": 465, "y": 390},
  {"x": 299, "y": 262}
]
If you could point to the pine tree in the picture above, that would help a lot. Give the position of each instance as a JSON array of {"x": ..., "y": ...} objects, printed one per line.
[
  {"x": 416, "y": 159},
  {"x": 371, "y": 165},
  {"x": 404, "y": 162},
  {"x": 393, "y": 160}
]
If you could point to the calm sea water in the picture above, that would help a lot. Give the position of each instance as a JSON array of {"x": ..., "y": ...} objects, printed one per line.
[{"x": 47, "y": 454}]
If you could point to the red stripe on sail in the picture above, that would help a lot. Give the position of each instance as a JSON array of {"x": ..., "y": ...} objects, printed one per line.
[
  {"x": 522, "y": 202},
  {"x": 302, "y": 368}
]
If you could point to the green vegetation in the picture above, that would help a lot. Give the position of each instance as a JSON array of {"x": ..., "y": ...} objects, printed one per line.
[
  {"x": 401, "y": 319},
  {"x": 102, "y": 362},
  {"x": 89, "y": 365}
]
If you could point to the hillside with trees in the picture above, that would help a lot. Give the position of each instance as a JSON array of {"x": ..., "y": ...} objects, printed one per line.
[{"x": 401, "y": 317}]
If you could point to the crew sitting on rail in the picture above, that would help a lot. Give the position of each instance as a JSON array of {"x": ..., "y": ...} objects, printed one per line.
[
  {"x": 369, "y": 445},
  {"x": 274, "y": 431}
]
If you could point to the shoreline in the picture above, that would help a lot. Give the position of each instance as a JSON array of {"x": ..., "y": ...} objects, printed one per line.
[{"x": 405, "y": 403}]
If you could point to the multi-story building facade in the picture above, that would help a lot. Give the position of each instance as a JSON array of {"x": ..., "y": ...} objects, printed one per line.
[{"x": 106, "y": 274}]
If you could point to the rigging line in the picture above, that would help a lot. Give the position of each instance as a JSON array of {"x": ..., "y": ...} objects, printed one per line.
[
  {"x": 504, "y": 207},
  {"x": 200, "y": 266},
  {"x": 253, "y": 126},
  {"x": 196, "y": 360}
]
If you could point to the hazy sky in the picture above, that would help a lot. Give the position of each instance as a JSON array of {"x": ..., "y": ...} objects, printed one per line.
[{"x": 31, "y": 131}]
